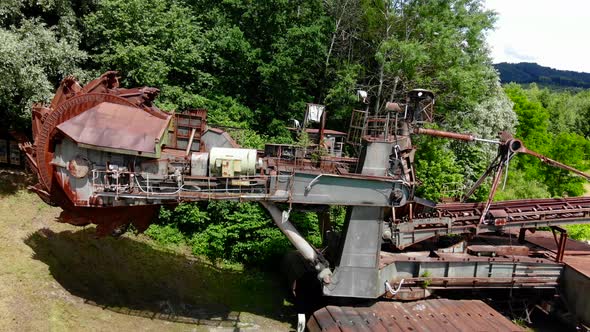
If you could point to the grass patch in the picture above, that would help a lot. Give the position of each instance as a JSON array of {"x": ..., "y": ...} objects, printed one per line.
[
  {"x": 62, "y": 277},
  {"x": 138, "y": 274}
]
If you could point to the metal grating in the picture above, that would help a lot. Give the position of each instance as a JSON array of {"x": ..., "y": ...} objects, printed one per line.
[
  {"x": 189, "y": 127},
  {"x": 356, "y": 129}
]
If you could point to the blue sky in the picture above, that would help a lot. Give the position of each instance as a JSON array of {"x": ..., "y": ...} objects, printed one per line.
[{"x": 552, "y": 33}]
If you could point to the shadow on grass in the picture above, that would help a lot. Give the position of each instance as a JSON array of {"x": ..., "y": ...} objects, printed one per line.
[
  {"x": 132, "y": 277},
  {"x": 13, "y": 180}
]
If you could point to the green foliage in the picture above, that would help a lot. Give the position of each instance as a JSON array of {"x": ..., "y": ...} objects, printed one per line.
[
  {"x": 579, "y": 232},
  {"x": 437, "y": 168},
  {"x": 173, "y": 225},
  {"x": 165, "y": 234},
  {"x": 33, "y": 60},
  {"x": 10, "y": 11},
  {"x": 454, "y": 63},
  {"x": 570, "y": 149},
  {"x": 157, "y": 43},
  {"x": 338, "y": 214},
  {"x": 287, "y": 77},
  {"x": 526, "y": 72},
  {"x": 206, "y": 52},
  {"x": 308, "y": 225},
  {"x": 569, "y": 111},
  {"x": 427, "y": 281},
  {"x": 230, "y": 231},
  {"x": 39, "y": 48},
  {"x": 341, "y": 95},
  {"x": 240, "y": 232},
  {"x": 437, "y": 45},
  {"x": 303, "y": 140},
  {"x": 279, "y": 133},
  {"x": 519, "y": 187},
  {"x": 186, "y": 215},
  {"x": 62, "y": 16},
  {"x": 533, "y": 119},
  {"x": 536, "y": 110}
]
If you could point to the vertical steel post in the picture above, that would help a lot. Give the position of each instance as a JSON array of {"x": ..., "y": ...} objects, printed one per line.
[{"x": 521, "y": 235}]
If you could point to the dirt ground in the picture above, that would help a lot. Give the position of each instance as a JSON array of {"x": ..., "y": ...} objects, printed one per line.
[{"x": 57, "y": 277}]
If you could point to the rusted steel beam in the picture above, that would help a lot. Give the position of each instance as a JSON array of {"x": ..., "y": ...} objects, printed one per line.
[
  {"x": 521, "y": 235},
  {"x": 555, "y": 163},
  {"x": 444, "y": 134},
  {"x": 451, "y": 135},
  {"x": 561, "y": 243},
  {"x": 481, "y": 281}
]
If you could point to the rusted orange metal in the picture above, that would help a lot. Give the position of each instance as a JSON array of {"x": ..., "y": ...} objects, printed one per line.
[
  {"x": 428, "y": 315},
  {"x": 70, "y": 101},
  {"x": 498, "y": 250},
  {"x": 189, "y": 127},
  {"x": 444, "y": 134},
  {"x": 123, "y": 123}
]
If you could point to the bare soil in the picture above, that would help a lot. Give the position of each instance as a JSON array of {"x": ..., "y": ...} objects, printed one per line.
[{"x": 57, "y": 277}]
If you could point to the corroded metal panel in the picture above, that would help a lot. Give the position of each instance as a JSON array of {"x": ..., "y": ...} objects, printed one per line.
[
  {"x": 350, "y": 281},
  {"x": 214, "y": 137},
  {"x": 341, "y": 190},
  {"x": 122, "y": 128},
  {"x": 429, "y": 315}
]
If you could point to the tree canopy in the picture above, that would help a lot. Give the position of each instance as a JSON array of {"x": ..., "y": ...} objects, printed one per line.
[{"x": 527, "y": 72}]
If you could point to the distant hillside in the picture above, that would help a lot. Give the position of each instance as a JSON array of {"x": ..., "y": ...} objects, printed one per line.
[{"x": 526, "y": 72}]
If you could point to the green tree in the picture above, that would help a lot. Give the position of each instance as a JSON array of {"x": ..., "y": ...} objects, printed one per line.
[
  {"x": 534, "y": 129},
  {"x": 519, "y": 187},
  {"x": 289, "y": 80},
  {"x": 157, "y": 43},
  {"x": 438, "y": 170},
  {"x": 436, "y": 44},
  {"x": 570, "y": 149},
  {"x": 34, "y": 59}
]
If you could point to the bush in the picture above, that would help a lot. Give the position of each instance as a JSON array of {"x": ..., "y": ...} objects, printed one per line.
[
  {"x": 579, "y": 232},
  {"x": 519, "y": 186},
  {"x": 232, "y": 231},
  {"x": 165, "y": 234},
  {"x": 239, "y": 232}
]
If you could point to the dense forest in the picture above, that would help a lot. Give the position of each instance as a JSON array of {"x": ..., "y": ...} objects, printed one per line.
[
  {"x": 255, "y": 64},
  {"x": 526, "y": 72}
]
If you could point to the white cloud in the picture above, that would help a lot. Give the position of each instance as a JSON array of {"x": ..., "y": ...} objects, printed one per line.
[
  {"x": 517, "y": 56},
  {"x": 553, "y": 34}
]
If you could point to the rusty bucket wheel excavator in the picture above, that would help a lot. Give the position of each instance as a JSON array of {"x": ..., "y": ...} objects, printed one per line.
[
  {"x": 106, "y": 155},
  {"x": 69, "y": 101}
]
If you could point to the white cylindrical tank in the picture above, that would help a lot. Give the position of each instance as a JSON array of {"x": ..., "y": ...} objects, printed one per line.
[
  {"x": 199, "y": 163},
  {"x": 228, "y": 162}
]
